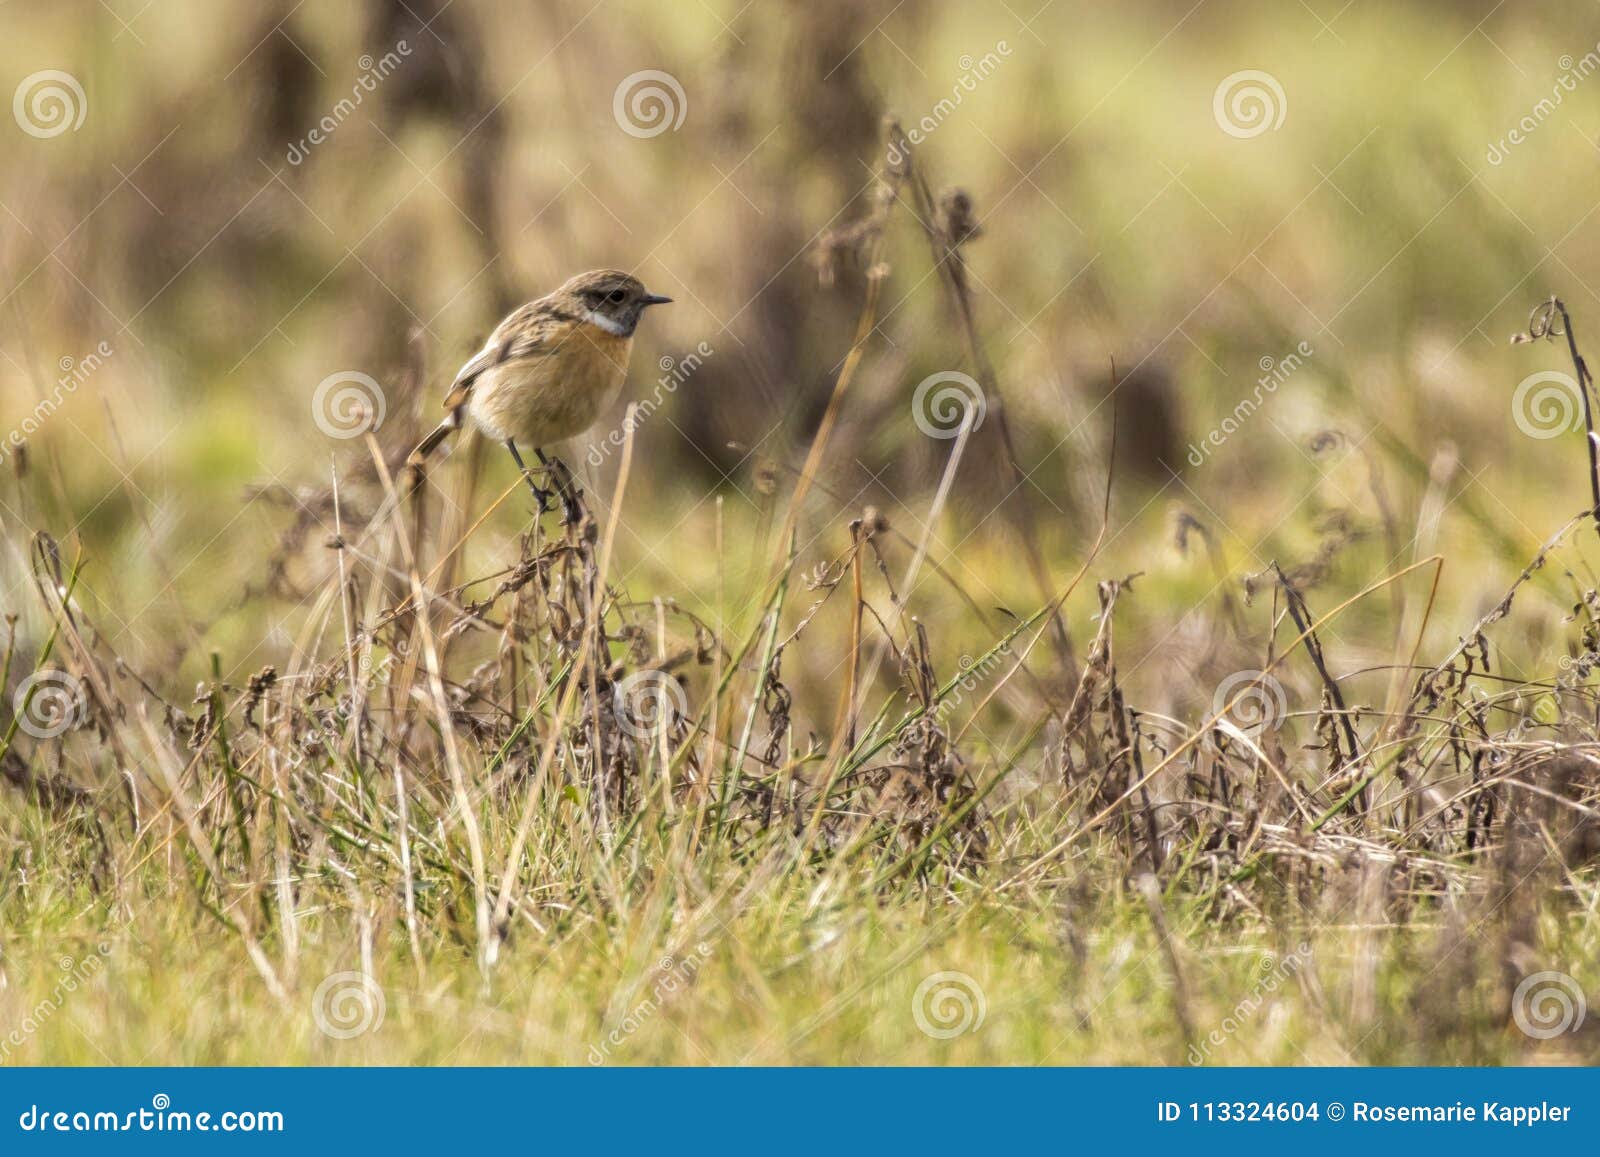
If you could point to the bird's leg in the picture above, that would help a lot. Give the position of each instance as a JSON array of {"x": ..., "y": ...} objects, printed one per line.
[
  {"x": 571, "y": 497},
  {"x": 542, "y": 497}
]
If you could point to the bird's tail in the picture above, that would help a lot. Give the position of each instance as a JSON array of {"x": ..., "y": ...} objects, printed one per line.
[{"x": 451, "y": 423}]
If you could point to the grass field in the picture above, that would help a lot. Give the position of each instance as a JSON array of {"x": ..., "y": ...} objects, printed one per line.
[{"x": 1086, "y": 577}]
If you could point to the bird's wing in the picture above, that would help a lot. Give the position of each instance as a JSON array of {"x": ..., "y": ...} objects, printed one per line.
[
  {"x": 522, "y": 335},
  {"x": 486, "y": 359}
]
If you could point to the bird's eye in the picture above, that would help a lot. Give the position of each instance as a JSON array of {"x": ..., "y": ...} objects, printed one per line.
[{"x": 617, "y": 296}]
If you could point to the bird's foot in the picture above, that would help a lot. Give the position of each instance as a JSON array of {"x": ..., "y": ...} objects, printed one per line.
[
  {"x": 545, "y": 499},
  {"x": 573, "y": 512}
]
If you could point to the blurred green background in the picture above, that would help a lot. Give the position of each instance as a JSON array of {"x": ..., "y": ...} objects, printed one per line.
[{"x": 1383, "y": 221}]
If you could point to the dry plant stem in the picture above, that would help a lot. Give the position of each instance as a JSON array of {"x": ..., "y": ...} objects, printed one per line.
[
  {"x": 830, "y": 417},
  {"x": 410, "y": 602},
  {"x": 574, "y": 683},
  {"x": 453, "y": 763},
  {"x": 843, "y": 742},
  {"x": 1110, "y": 809},
  {"x": 856, "y": 602},
  {"x": 407, "y": 872},
  {"x": 43, "y": 658},
  {"x": 702, "y": 787},
  {"x": 1393, "y": 726},
  {"x": 1150, "y": 889},
  {"x": 914, "y": 567},
  {"x": 354, "y": 724},
  {"x": 55, "y": 794},
  {"x": 763, "y": 628},
  {"x": 866, "y": 324},
  {"x": 978, "y": 609},
  {"x": 1061, "y": 598},
  {"x": 763, "y": 667},
  {"x": 1052, "y": 610},
  {"x": 1586, "y": 388},
  {"x": 1542, "y": 324},
  {"x": 57, "y": 594},
  {"x": 1301, "y": 615},
  {"x": 661, "y": 740},
  {"x": 950, "y": 263},
  {"x": 879, "y": 740},
  {"x": 230, "y": 914},
  {"x": 1407, "y": 723}
]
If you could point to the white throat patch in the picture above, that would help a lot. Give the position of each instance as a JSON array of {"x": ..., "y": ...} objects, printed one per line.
[{"x": 610, "y": 324}]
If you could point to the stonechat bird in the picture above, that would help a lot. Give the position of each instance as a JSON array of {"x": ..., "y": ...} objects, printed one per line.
[{"x": 547, "y": 373}]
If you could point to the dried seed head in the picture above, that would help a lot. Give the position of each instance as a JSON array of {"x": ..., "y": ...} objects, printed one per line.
[{"x": 956, "y": 221}]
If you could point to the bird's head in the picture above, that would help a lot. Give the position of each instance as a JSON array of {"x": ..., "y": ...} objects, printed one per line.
[{"x": 610, "y": 299}]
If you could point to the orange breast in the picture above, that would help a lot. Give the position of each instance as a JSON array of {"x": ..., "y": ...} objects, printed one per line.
[{"x": 556, "y": 396}]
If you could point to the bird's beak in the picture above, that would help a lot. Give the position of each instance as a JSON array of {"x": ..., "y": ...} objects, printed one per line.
[{"x": 655, "y": 299}]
